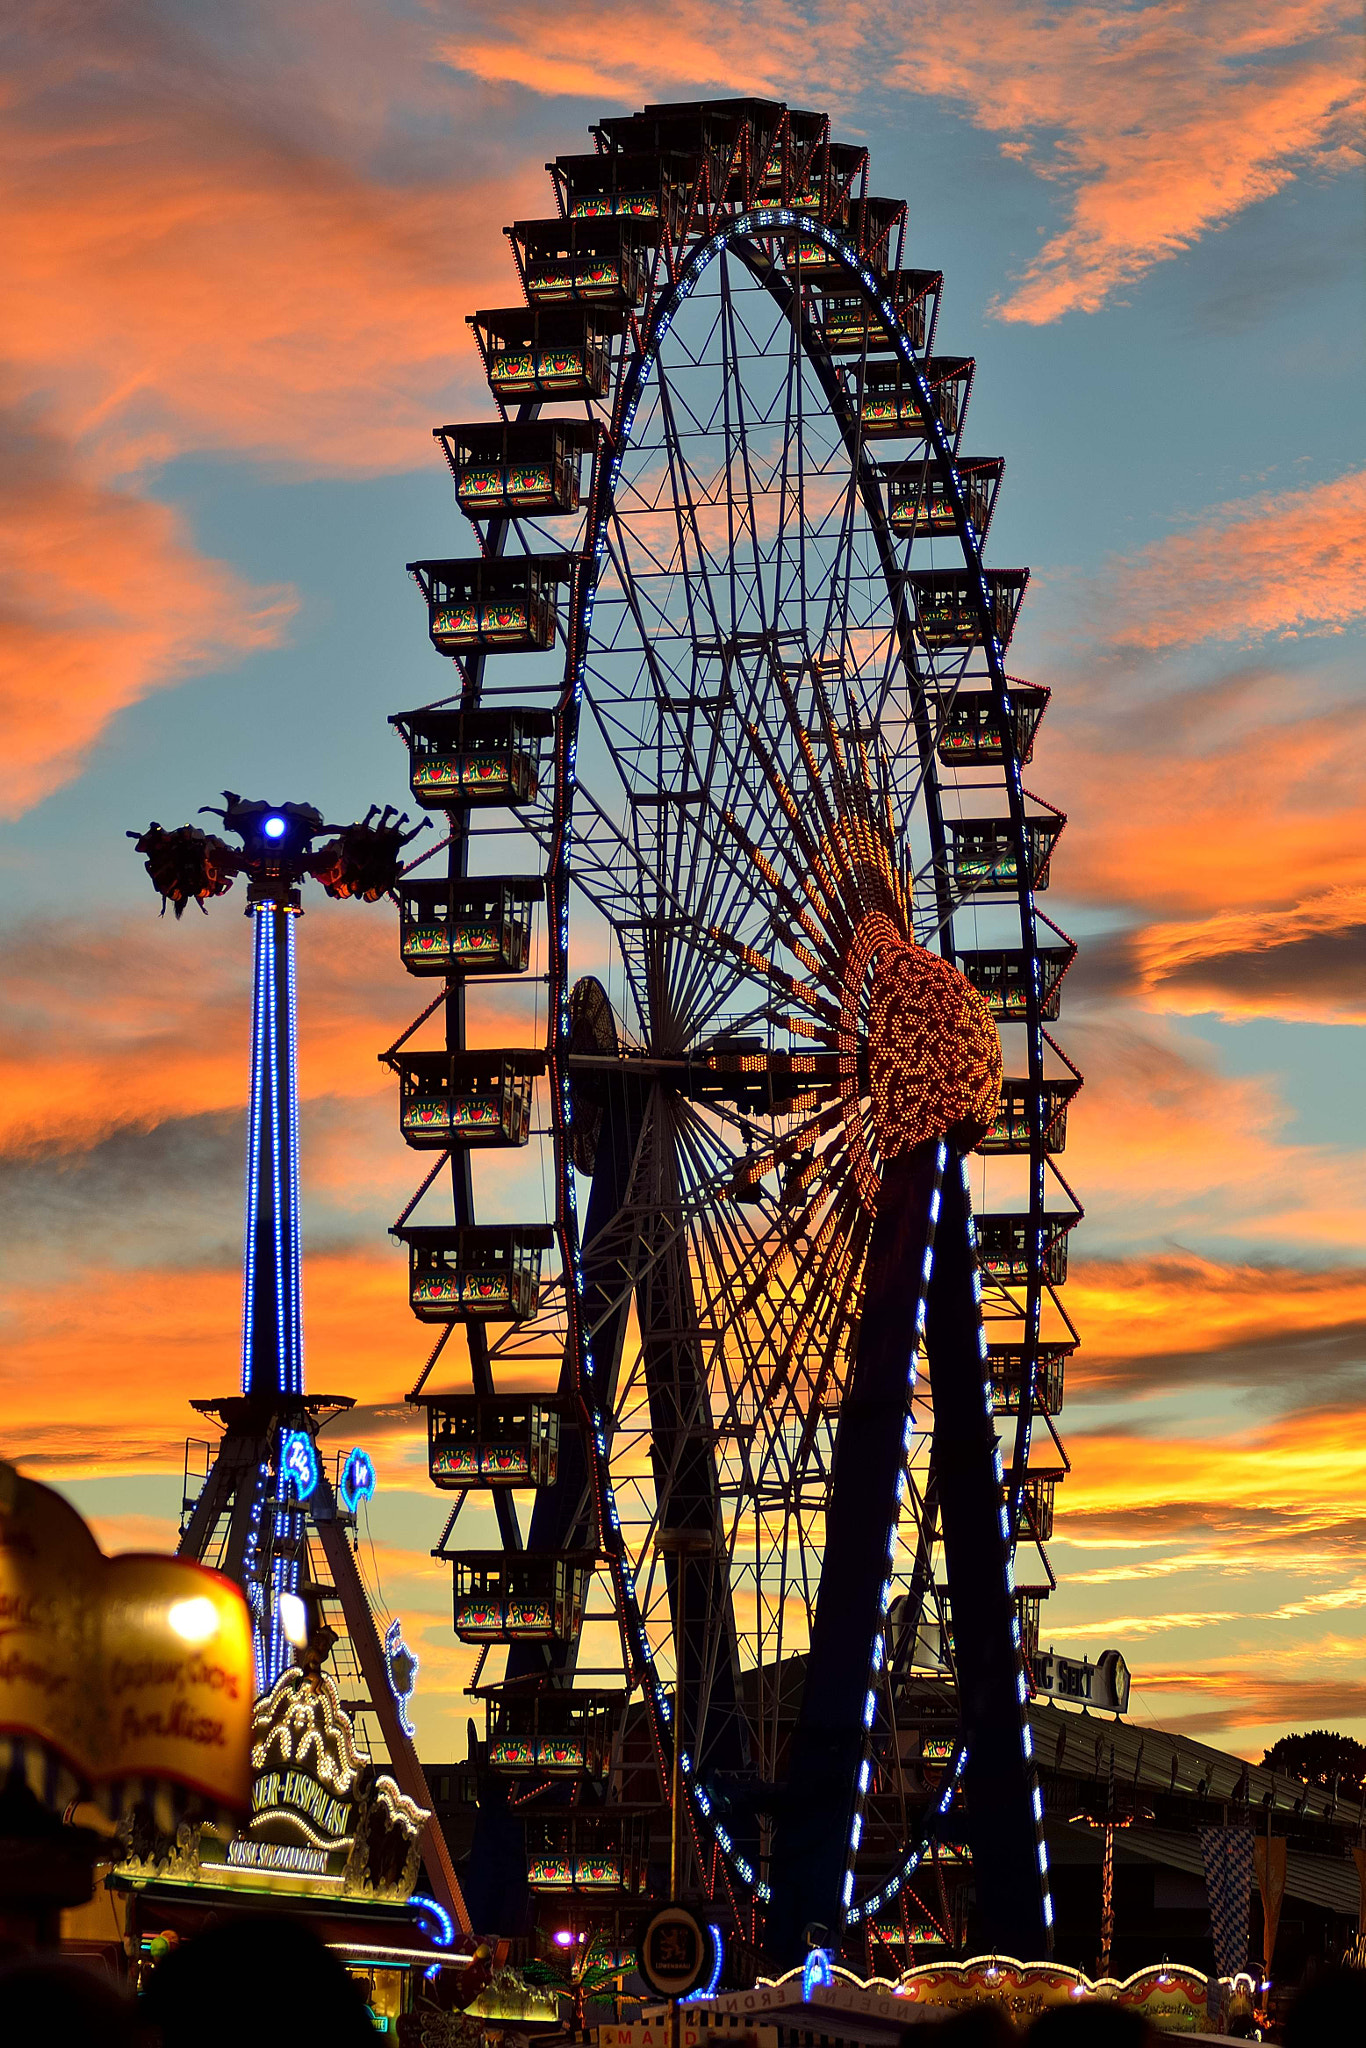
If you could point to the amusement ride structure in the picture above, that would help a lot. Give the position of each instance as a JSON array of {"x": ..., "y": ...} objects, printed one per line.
[
  {"x": 756, "y": 1232},
  {"x": 263, "y": 1508}
]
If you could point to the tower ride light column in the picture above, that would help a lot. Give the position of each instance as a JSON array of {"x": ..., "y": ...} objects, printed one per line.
[{"x": 272, "y": 1317}]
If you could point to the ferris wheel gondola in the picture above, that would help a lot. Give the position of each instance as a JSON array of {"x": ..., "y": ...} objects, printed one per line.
[{"x": 792, "y": 1258}]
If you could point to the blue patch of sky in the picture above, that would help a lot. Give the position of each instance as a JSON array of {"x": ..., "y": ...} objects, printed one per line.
[{"x": 1316, "y": 1070}]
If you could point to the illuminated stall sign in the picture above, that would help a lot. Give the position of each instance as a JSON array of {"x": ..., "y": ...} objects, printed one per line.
[
  {"x": 299, "y": 1795},
  {"x": 1104, "y": 1684},
  {"x": 357, "y": 1481},
  {"x": 319, "y": 1807},
  {"x": 118, "y": 1673}
]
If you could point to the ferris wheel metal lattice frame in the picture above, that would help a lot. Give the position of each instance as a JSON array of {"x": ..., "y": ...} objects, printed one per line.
[{"x": 660, "y": 1446}]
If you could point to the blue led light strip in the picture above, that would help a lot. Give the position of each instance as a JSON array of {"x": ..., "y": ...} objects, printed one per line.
[
  {"x": 1021, "y": 1682},
  {"x": 877, "y": 1648},
  {"x": 258, "y": 1062},
  {"x": 272, "y": 1329},
  {"x": 272, "y": 1325},
  {"x": 912, "y": 1861},
  {"x": 277, "y": 1220},
  {"x": 252, "y": 1571},
  {"x": 889, "y": 1889},
  {"x": 294, "y": 1258},
  {"x": 284, "y": 1572}
]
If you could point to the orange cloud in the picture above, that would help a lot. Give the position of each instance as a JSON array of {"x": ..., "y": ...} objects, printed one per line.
[
  {"x": 102, "y": 599},
  {"x": 1177, "y": 1306},
  {"x": 1305, "y": 964},
  {"x": 1165, "y": 1146},
  {"x": 1226, "y": 812},
  {"x": 145, "y": 1019},
  {"x": 1163, "y": 121},
  {"x": 140, "y": 1019},
  {"x": 1281, "y": 1463},
  {"x": 1206, "y": 800},
  {"x": 1245, "y": 1697},
  {"x": 195, "y": 258},
  {"x": 1253, "y": 1538},
  {"x": 632, "y": 52},
  {"x": 98, "y": 1372},
  {"x": 1283, "y": 564}
]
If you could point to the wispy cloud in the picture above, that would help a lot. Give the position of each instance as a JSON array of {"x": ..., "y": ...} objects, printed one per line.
[
  {"x": 103, "y": 598},
  {"x": 1117, "y": 1627},
  {"x": 1284, "y": 1462},
  {"x": 97, "y": 1375},
  {"x": 1249, "y": 1696},
  {"x": 1187, "y": 802},
  {"x": 1281, "y": 565},
  {"x": 211, "y": 245},
  {"x": 233, "y": 234},
  {"x": 1161, "y": 122},
  {"x": 1154, "y": 124},
  {"x": 126, "y": 1022},
  {"x": 1176, "y": 1320},
  {"x": 1172, "y": 1150},
  {"x": 1305, "y": 963}
]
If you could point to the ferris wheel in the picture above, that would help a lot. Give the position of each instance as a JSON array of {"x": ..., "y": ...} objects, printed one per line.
[{"x": 754, "y": 1227}]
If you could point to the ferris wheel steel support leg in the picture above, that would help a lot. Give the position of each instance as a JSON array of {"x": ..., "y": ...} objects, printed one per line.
[
  {"x": 241, "y": 1528},
  {"x": 813, "y": 1823},
  {"x": 683, "y": 1459},
  {"x": 496, "y": 1873},
  {"x": 1008, "y": 1860},
  {"x": 557, "y": 1517}
]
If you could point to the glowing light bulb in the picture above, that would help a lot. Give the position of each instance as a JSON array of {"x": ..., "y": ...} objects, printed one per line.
[
  {"x": 194, "y": 1621},
  {"x": 294, "y": 1619},
  {"x": 274, "y": 828}
]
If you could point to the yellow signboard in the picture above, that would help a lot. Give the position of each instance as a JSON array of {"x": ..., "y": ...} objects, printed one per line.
[{"x": 124, "y": 1667}]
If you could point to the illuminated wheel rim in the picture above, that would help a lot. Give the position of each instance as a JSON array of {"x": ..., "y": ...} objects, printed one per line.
[{"x": 836, "y": 809}]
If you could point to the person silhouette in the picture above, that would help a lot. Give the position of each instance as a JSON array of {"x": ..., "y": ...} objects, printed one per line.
[{"x": 262, "y": 1978}]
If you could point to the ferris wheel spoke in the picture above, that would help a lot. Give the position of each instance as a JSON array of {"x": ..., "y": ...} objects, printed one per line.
[
  {"x": 840, "y": 1272},
  {"x": 767, "y": 1264},
  {"x": 685, "y": 518},
  {"x": 723, "y": 1259},
  {"x": 835, "y": 626},
  {"x": 738, "y": 437},
  {"x": 808, "y": 864},
  {"x": 790, "y": 501},
  {"x": 816, "y": 1356},
  {"x": 774, "y": 1389}
]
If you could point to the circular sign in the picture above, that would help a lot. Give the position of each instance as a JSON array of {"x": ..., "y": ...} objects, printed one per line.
[{"x": 674, "y": 1952}]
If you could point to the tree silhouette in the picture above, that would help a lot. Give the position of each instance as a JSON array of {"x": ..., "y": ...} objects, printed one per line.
[{"x": 1322, "y": 1757}]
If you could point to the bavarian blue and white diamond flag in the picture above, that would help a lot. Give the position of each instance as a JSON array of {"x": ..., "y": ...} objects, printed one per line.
[{"x": 1229, "y": 1855}]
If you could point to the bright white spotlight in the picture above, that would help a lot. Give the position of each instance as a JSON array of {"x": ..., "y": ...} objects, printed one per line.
[
  {"x": 274, "y": 828},
  {"x": 294, "y": 1619},
  {"x": 194, "y": 1621}
]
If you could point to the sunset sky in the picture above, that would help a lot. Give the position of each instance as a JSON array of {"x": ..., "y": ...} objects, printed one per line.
[{"x": 240, "y": 244}]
